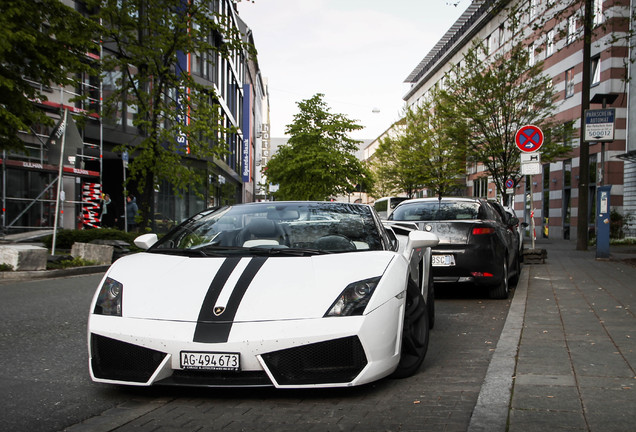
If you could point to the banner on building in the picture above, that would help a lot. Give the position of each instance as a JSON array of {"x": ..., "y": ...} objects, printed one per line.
[
  {"x": 91, "y": 199},
  {"x": 73, "y": 142},
  {"x": 246, "y": 159}
]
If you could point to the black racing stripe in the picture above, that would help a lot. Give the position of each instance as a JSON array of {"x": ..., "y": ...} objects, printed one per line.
[
  {"x": 206, "y": 313},
  {"x": 211, "y": 328},
  {"x": 241, "y": 287}
]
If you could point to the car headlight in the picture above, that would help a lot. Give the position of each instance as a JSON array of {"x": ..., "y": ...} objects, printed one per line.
[
  {"x": 354, "y": 299},
  {"x": 109, "y": 298}
]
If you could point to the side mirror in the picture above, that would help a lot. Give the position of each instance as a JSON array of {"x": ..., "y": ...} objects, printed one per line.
[
  {"x": 144, "y": 241},
  {"x": 524, "y": 225},
  {"x": 421, "y": 239},
  {"x": 513, "y": 221}
]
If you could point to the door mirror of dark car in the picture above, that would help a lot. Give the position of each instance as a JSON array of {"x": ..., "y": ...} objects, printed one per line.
[
  {"x": 524, "y": 225},
  {"x": 513, "y": 221},
  {"x": 144, "y": 241}
]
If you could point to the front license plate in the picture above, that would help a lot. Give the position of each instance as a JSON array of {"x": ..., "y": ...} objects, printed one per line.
[
  {"x": 443, "y": 260},
  {"x": 209, "y": 360}
]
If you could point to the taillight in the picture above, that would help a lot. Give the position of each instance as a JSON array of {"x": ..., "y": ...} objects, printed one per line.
[
  {"x": 482, "y": 274},
  {"x": 483, "y": 230}
]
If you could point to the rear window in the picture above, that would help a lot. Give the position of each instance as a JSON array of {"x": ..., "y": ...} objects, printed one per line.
[{"x": 436, "y": 211}]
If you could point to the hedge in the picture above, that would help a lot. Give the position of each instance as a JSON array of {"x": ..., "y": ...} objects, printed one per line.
[{"x": 66, "y": 238}]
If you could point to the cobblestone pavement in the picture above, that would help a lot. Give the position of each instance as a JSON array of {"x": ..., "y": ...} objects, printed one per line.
[{"x": 576, "y": 362}]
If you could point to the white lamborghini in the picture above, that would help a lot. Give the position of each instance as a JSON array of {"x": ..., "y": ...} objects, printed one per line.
[{"x": 284, "y": 294}]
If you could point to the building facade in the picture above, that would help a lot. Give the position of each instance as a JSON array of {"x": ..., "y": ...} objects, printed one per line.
[
  {"x": 90, "y": 165},
  {"x": 552, "y": 196}
]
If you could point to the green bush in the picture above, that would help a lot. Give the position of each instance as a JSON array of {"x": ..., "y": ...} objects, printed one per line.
[
  {"x": 65, "y": 238},
  {"x": 74, "y": 262},
  {"x": 6, "y": 267}
]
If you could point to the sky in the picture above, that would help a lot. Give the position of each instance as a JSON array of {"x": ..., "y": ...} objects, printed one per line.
[{"x": 356, "y": 52}]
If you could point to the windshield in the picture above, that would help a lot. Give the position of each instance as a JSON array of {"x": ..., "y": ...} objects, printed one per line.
[
  {"x": 436, "y": 211},
  {"x": 308, "y": 227}
]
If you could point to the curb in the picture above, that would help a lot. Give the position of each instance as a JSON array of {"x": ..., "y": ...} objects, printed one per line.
[
  {"x": 47, "y": 274},
  {"x": 491, "y": 410}
]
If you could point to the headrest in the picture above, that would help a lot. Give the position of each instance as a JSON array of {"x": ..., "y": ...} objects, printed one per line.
[{"x": 263, "y": 228}]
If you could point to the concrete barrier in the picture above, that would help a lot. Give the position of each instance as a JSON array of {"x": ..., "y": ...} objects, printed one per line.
[
  {"x": 24, "y": 257},
  {"x": 99, "y": 254}
]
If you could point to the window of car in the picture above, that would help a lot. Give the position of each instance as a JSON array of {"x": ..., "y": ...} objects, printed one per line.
[
  {"x": 437, "y": 210},
  {"x": 280, "y": 225}
]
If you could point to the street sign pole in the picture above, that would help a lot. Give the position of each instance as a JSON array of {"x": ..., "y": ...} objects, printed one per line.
[
  {"x": 124, "y": 161},
  {"x": 529, "y": 140}
]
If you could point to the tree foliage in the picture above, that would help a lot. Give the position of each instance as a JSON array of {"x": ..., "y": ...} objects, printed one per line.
[
  {"x": 318, "y": 161},
  {"x": 491, "y": 98},
  {"x": 177, "y": 117},
  {"x": 422, "y": 154},
  {"x": 41, "y": 42}
]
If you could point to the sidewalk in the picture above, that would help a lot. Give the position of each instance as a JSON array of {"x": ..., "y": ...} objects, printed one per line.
[{"x": 572, "y": 328}]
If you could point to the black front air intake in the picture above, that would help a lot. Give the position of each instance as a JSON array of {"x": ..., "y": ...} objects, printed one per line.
[
  {"x": 334, "y": 361},
  {"x": 121, "y": 361}
]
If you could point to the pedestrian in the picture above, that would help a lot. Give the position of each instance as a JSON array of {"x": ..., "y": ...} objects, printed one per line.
[
  {"x": 108, "y": 212},
  {"x": 131, "y": 212}
]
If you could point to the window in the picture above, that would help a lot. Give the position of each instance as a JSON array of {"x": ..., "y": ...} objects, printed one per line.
[
  {"x": 569, "y": 83},
  {"x": 531, "y": 59},
  {"x": 480, "y": 187},
  {"x": 494, "y": 41},
  {"x": 571, "y": 29},
  {"x": 567, "y": 172},
  {"x": 533, "y": 9},
  {"x": 568, "y": 133},
  {"x": 597, "y": 10},
  {"x": 595, "y": 71},
  {"x": 549, "y": 49}
]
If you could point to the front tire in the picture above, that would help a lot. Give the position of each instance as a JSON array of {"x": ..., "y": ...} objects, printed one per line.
[{"x": 415, "y": 333}]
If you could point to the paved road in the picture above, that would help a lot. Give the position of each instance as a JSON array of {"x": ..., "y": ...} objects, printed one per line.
[
  {"x": 44, "y": 383},
  {"x": 46, "y": 386},
  {"x": 440, "y": 397}
]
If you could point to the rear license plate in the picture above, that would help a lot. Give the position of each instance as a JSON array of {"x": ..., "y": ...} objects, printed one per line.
[
  {"x": 443, "y": 260},
  {"x": 209, "y": 360}
]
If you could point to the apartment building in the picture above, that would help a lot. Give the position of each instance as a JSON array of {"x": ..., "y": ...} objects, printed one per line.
[
  {"x": 91, "y": 164},
  {"x": 552, "y": 195}
]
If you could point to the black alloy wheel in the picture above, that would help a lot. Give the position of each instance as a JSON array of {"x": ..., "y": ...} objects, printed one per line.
[
  {"x": 415, "y": 333},
  {"x": 430, "y": 301}
]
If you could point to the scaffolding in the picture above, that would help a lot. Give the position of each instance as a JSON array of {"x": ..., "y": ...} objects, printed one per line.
[{"x": 30, "y": 178}]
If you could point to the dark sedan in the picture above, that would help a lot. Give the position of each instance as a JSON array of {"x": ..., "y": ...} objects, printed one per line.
[{"x": 475, "y": 244}]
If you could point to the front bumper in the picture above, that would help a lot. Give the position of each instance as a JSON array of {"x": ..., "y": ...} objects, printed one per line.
[{"x": 325, "y": 352}]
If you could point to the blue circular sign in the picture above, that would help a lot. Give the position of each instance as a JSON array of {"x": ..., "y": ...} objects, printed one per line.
[{"x": 529, "y": 138}]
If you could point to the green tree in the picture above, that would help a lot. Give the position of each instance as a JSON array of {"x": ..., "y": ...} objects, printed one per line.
[
  {"x": 490, "y": 99},
  {"x": 41, "y": 42},
  {"x": 318, "y": 161},
  {"x": 421, "y": 153},
  {"x": 396, "y": 164},
  {"x": 177, "y": 117}
]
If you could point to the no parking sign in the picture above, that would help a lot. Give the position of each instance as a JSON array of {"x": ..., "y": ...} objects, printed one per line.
[{"x": 529, "y": 138}]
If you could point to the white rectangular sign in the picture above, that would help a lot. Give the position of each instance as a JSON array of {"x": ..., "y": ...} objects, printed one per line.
[
  {"x": 599, "y": 125},
  {"x": 530, "y": 168}
]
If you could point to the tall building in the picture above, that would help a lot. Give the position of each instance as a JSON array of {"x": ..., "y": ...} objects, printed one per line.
[
  {"x": 92, "y": 166},
  {"x": 553, "y": 194}
]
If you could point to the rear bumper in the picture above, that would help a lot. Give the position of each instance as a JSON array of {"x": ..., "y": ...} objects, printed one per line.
[{"x": 476, "y": 265}]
